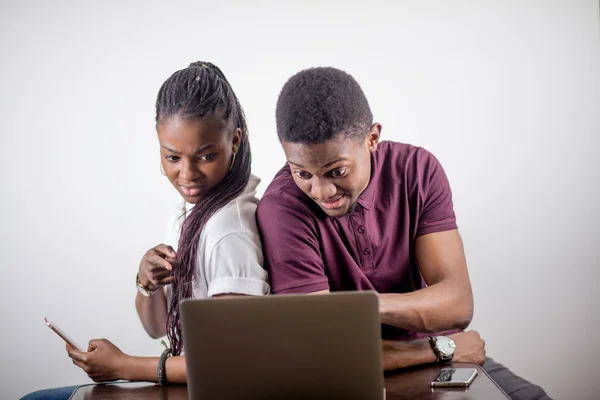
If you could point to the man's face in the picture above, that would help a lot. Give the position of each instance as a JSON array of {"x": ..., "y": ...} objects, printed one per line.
[{"x": 333, "y": 173}]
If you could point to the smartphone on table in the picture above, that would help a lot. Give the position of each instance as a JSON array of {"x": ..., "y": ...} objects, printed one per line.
[
  {"x": 455, "y": 377},
  {"x": 63, "y": 335}
]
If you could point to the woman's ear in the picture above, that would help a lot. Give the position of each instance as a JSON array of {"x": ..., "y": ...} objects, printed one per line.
[{"x": 236, "y": 140}]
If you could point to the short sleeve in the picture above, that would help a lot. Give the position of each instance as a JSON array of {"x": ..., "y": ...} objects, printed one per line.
[
  {"x": 234, "y": 265},
  {"x": 437, "y": 211},
  {"x": 291, "y": 247}
]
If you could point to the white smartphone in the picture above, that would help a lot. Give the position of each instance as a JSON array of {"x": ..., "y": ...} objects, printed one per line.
[
  {"x": 455, "y": 377},
  {"x": 63, "y": 335}
]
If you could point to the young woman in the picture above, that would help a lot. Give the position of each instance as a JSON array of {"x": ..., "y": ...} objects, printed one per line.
[{"x": 212, "y": 247}]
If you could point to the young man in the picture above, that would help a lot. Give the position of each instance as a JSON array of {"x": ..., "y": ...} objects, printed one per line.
[{"x": 349, "y": 212}]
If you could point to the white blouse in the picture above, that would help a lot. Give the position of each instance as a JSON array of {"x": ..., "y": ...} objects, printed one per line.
[{"x": 229, "y": 258}]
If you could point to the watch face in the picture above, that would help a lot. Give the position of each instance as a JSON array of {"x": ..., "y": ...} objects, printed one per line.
[{"x": 445, "y": 345}]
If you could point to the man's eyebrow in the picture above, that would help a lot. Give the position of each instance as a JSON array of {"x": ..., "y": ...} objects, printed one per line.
[
  {"x": 324, "y": 166},
  {"x": 333, "y": 162}
]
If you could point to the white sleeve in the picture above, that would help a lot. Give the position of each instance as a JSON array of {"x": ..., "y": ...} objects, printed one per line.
[{"x": 234, "y": 265}]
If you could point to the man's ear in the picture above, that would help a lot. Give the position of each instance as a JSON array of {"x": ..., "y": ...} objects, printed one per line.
[
  {"x": 373, "y": 137},
  {"x": 236, "y": 140}
]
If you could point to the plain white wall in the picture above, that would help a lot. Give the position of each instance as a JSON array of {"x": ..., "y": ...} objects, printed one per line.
[{"x": 505, "y": 93}]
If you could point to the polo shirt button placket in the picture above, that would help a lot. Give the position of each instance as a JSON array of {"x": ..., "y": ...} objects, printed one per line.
[{"x": 363, "y": 243}]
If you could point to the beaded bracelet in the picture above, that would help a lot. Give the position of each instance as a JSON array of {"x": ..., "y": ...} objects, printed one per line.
[{"x": 161, "y": 373}]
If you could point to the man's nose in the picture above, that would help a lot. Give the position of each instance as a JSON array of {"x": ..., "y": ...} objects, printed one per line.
[{"x": 322, "y": 190}]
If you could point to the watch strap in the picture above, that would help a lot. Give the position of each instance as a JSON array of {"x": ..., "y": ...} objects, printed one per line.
[
  {"x": 433, "y": 344},
  {"x": 143, "y": 288}
]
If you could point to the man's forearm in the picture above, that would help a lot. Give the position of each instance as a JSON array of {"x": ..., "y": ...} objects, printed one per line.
[
  {"x": 401, "y": 354},
  {"x": 153, "y": 313},
  {"x": 439, "y": 307}
]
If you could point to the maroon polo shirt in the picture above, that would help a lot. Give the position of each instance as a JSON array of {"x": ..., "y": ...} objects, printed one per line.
[{"x": 371, "y": 249}]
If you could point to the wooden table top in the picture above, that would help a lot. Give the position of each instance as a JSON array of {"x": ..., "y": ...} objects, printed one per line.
[{"x": 413, "y": 384}]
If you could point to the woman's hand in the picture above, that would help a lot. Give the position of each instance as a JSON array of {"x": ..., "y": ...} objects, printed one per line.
[
  {"x": 102, "y": 362},
  {"x": 156, "y": 267}
]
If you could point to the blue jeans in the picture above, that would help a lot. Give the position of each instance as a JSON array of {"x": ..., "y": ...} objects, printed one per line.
[{"x": 62, "y": 393}]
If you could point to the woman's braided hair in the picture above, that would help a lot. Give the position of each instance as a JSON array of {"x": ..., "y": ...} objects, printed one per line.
[{"x": 198, "y": 91}]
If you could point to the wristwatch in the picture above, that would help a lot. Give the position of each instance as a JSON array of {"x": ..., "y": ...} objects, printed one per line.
[
  {"x": 443, "y": 347},
  {"x": 143, "y": 289}
]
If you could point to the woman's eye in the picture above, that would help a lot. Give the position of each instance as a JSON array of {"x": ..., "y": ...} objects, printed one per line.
[
  {"x": 303, "y": 174},
  {"x": 337, "y": 173},
  {"x": 172, "y": 158},
  {"x": 207, "y": 157}
]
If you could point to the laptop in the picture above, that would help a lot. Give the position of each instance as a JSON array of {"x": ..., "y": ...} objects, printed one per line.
[{"x": 284, "y": 347}]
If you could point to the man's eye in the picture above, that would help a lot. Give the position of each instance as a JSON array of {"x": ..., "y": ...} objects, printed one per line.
[
  {"x": 172, "y": 158},
  {"x": 303, "y": 174},
  {"x": 337, "y": 173}
]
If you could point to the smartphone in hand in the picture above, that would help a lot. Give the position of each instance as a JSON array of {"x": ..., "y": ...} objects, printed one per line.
[{"x": 62, "y": 334}]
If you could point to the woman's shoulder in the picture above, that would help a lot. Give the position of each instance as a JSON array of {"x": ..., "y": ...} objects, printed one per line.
[{"x": 238, "y": 216}]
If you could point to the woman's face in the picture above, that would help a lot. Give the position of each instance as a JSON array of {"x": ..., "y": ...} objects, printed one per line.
[{"x": 196, "y": 153}]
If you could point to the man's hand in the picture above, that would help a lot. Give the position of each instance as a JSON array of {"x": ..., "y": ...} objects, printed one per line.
[
  {"x": 401, "y": 354},
  {"x": 470, "y": 347},
  {"x": 156, "y": 267},
  {"x": 102, "y": 362}
]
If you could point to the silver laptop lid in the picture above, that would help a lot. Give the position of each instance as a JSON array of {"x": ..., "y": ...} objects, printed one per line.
[{"x": 284, "y": 347}]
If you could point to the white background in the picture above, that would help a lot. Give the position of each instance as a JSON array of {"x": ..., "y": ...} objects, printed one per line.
[{"x": 505, "y": 93}]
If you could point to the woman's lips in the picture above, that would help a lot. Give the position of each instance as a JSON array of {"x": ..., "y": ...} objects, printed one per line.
[{"x": 191, "y": 191}]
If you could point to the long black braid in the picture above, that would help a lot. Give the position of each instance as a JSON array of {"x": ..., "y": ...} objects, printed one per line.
[{"x": 199, "y": 91}]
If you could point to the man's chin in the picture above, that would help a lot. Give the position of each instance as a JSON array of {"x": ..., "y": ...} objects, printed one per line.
[
  {"x": 334, "y": 213},
  {"x": 339, "y": 212}
]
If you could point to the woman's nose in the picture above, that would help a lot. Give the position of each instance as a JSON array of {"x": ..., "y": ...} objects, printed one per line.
[{"x": 189, "y": 171}]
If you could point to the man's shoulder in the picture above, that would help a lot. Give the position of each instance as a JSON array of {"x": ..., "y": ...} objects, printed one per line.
[
  {"x": 407, "y": 160},
  {"x": 281, "y": 183},
  {"x": 402, "y": 152},
  {"x": 283, "y": 190}
]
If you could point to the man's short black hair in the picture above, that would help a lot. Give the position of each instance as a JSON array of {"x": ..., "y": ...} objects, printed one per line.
[{"x": 317, "y": 104}]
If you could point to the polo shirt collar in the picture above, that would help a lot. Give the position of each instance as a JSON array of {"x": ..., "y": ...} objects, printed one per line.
[{"x": 367, "y": 197}]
